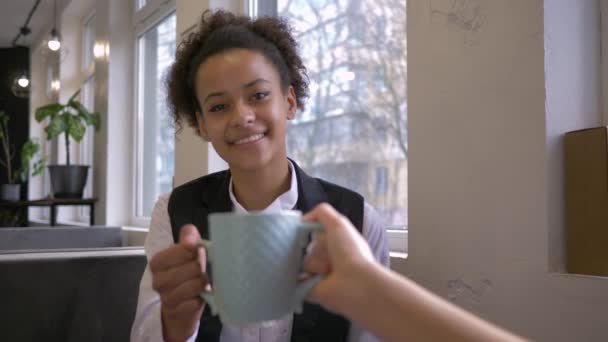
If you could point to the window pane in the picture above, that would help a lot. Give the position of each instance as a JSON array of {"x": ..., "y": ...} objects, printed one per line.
[
  {"x": 88, "y": 43},
  {"x": 354, "y": 130},
  {"x": 156, "y": 143}
]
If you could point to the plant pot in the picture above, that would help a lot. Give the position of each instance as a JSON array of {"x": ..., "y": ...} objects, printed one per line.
[
  {"x": 68, "y": 181},
  {"x": 10, "y": 192}
]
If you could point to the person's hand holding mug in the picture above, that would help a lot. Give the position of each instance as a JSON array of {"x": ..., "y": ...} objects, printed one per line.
[
  {"x": 341, "y": 253},
  {"x": 178, "y": 275}
]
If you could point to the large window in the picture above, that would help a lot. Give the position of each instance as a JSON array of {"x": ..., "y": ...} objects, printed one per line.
[
  {"x": 155, "y": 132},
  {"x": 354, "y": 130}
]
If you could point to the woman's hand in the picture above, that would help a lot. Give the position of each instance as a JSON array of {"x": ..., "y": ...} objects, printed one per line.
[{"x": 178, "y": 275}]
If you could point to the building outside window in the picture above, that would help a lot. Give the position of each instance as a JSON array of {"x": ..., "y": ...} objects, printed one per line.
[{"x": 354, "y": 130}]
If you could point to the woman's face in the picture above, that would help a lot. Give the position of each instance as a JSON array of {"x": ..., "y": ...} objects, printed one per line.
[{"x": 244, "y": 109}]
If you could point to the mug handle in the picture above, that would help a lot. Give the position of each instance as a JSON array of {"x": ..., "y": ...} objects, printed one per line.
[
  {"x": 302, "y": 290},
  {"x": 208, "y": 296},
  {"x": 305, "y": 286},
  {"x": 310, "y": 227},
  {"x": 207, "y": 245}
]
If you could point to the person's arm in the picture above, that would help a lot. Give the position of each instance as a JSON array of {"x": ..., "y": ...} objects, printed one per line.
[
  {"x": 148, "y": 324},
  {"x": 391, "y": 306},
  {"x": 374, "y": 233}
]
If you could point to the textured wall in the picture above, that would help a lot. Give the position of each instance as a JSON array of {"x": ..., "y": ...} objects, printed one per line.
[{"x": 492, "y": 86}]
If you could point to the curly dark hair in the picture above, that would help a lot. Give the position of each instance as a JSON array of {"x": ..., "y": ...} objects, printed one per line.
[{"x": 220, "y": 31}]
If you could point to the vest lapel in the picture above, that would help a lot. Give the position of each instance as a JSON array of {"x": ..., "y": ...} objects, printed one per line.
[
  {"x": 214, "y": 199},
  {"x": 310, "y": 191},
  {"x": 218, "y": 200}
]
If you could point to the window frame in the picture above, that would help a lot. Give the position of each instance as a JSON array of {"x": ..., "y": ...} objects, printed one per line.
[
  {"x": 145, "y": 19},
  {"x": 87, "y": 70},
  {"x": 86, "y": 147},
  {"x": 150, "y": 14}
]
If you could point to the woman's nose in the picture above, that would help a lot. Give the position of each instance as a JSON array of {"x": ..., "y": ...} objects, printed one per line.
[{"x": 243, "y": 115}]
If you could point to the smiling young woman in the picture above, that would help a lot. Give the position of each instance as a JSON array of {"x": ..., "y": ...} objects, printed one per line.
[{"x": 238, "y": 81}]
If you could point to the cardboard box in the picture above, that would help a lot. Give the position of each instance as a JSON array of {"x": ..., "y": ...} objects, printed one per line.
[{"x": 586, "y": 190}]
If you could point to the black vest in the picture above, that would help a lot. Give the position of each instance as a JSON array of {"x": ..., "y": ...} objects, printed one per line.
[{"x": 193, "y": 201}]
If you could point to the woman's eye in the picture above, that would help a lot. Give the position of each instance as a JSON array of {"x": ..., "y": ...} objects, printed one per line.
[
  {"x": 217, "y": 108},
  {"x": 260, "y": 95}
]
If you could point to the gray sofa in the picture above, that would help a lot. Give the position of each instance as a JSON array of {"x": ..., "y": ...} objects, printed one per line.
[
  {"x": 67, "y": 284},
  {"x": 37, "y": 238}
]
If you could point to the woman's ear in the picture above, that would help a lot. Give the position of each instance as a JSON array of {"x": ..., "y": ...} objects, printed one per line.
[
  {"x": 292, "y": 103},
  {"x": 202, "y": 127}
]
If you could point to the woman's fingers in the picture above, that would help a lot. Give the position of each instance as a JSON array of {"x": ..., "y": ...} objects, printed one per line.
[
  {"x": 186, "y": 291},
  {"x": 171, "y": 278}
]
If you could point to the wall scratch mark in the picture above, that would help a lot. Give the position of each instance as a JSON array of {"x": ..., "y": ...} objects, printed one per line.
[
  {"x": 460, "y": 289},
  {"x": 465, "y": 15}
]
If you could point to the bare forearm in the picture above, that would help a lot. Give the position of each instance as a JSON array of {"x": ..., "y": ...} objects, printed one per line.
[{"x": 396, "y": 309}]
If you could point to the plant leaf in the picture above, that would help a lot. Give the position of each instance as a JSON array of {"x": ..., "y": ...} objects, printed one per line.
[
  {"x": 76, "y": 129},
  {"x": 29, "y": 149},
  {"x": 39, "y": 166},
  {"x": 57, "y": 126},
  {"x": 49, "y": 110},
  {"x": 28, "y": 152},
  {"x": 91, "y": 119},
  {"x": 36, "y": 169}
]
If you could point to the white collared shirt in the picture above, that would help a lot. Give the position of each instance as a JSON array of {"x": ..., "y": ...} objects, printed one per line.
[{"x": 147, "y": 325}]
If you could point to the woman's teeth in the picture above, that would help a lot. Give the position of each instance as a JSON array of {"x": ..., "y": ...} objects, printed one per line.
[{"x": 249, "y": 139}]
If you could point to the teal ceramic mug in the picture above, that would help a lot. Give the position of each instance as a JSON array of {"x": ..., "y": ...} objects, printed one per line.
[{"x": 256, "y": 260}]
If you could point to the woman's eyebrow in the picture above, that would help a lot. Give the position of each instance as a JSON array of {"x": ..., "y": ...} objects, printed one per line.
[
  {"x": 254, "y": 82},
  {"x": 216, "y": 94}
]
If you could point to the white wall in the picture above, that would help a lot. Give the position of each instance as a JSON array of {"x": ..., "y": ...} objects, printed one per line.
[{"x": 485, "y": 171}]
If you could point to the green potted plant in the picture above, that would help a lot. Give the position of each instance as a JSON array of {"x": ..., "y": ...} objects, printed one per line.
[
  {"x": 71, "y": 120},
  {"x": 11, "y": 191}
]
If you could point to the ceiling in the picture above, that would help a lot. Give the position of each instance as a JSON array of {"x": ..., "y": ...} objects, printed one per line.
[{"x": 13, "y": 14}]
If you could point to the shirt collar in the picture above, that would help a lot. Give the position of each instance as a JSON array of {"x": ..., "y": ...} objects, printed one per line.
[{"x": 285, "y": 201}]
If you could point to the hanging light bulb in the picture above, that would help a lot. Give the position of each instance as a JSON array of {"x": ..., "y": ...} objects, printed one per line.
[
  {"x": 54, "y": 43},
  {"x": 21, "y": 85},
  {"x": 23, "y": 81}
]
